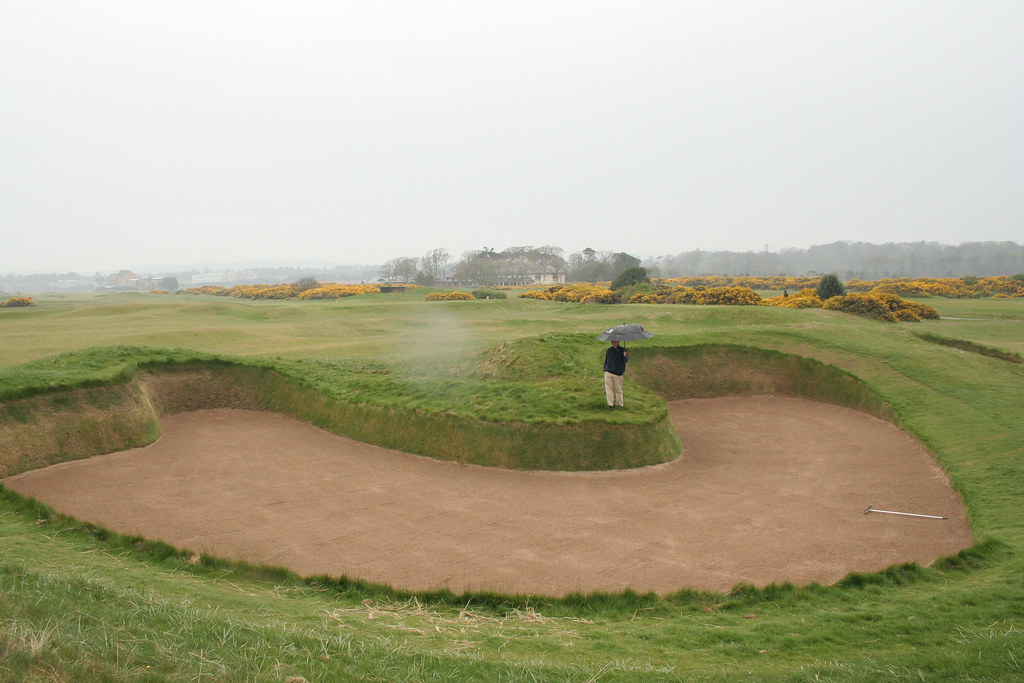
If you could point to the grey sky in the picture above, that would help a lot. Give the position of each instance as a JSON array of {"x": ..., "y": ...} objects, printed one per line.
[{"x": 159, "y": 132}]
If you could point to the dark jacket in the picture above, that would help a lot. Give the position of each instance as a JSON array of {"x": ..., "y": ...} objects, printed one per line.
[{"x": 615, "y": 360}]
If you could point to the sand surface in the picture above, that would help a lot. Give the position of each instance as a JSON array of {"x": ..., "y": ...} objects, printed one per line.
[{"x": 769, "y": 489}]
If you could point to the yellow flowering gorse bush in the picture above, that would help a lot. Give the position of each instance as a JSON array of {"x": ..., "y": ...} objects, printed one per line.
[
  {"x": 18, "y": 302},
  {"x": 580, "y": 292},
  {"x": 805, "y": 298},
  {"x": 326, "y": 290},
  {"x": 949, "y": 287},
  {"x": 214, "y": 290},
  {"x": 779, "y": 282},
  {"x": 335, "y": 291},
  {"x": 450, "y": 296}
]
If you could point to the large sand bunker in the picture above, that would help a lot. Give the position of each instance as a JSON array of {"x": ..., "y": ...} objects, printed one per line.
[{"x": 769, "y": 489}]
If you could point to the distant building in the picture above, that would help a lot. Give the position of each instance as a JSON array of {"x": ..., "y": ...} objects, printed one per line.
[
  {"x": 122, "y": 278},
  {"x": 80, "y": 284},
  {"x": 146, "y": 284},
  {"x": 200, "y": 279},
  {"x": 546, "y": 276},
  {"x": 224, "y": 279}
]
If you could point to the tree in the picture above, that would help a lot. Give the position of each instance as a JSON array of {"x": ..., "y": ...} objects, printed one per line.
[
  {"x": 406, "y": 268},
  {"x": 621, "y": 261},
  {"x": 435, "y": 263},
  {"x": 168, "y": 283},
  {"x": 830, "y": 286},
  {"x": 633, "y": 275},
  {"x": 486, "y": 267},
  {"x": 592, "y": 271},
  {"x": 593, "y": 266},
  {"x": 401, "y": 269},
  {"x": 303, "y": 284},
  {"x": 480, "y": 266}
]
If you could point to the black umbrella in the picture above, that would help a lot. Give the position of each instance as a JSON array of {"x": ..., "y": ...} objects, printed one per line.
[{"x": 625, "y": 333}]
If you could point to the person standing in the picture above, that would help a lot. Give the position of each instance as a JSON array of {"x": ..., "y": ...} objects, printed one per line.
[{"x": 615, "y": 358}]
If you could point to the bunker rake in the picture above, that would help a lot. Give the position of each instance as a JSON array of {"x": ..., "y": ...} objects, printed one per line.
[{"x": 908, "y": 514}]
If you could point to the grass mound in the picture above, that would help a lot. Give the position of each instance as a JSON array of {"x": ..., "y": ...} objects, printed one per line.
[
  {"x": 530, "y": 404},
  {"x": 100, "y": 400}
]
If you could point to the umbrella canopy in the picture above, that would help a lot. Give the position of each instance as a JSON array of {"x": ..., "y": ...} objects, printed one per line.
[{"x": 625, "y": 333}]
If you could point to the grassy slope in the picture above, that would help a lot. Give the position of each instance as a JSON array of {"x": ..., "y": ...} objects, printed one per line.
[{"x": 76, "y": 607}]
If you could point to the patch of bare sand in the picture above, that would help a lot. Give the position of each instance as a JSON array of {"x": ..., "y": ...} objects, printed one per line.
[{"x": 769, "y": 489}]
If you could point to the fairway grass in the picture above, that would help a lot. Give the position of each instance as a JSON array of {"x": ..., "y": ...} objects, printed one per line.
[{"x": 78, "y": 603}]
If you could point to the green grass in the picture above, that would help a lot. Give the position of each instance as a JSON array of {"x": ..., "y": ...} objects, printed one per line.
[{"x": 80, "y": 604}]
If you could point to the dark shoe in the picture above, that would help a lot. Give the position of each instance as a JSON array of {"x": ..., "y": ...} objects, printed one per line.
[{"x": 611, "y": 407}]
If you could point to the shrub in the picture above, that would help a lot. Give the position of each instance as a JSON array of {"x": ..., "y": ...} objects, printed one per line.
[
  {"x": 449, "y": 296},
  {"x": 628, "y": 293},
  {"x": 860, "y": 304},
  {"x": 859, "y": 285},
  {"x": 489, "y": 294},
  {"x": 536, "y": 294},
  {"x": 830, "y": 286},
  {"x": 1001, "y": 285},
  {"x": 776, "y": 282},
  {"x": 910, "y": 311},
  {"x": 644, "y": 298},
  {"x": 633, "y": 275},
  {"x": 709, "y": 296},
  {"x": 901, "y": 289},
  {"x": 728, "y": 296},
  {"x": 680, "y": 295},
  {"x": 263, "y": 291},
  {"x": 582, "y": 292},
  {"x": 18, "y": 302},
  {"x": 335, "y": 291},
  {"x": 215, "y": 290},
  {"x": 158, "y": 291},
  {"x": 304, "y": 284},
  {"x": 805, "y": 298}
]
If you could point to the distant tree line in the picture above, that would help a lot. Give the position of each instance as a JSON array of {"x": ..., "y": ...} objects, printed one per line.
[
  {"x": 853, "y": 260},
  {"x": 847, "y": 260},
  {"x": 487, "y": 266}
]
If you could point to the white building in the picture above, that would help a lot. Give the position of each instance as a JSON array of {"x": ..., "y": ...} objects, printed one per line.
[{"x": 200, "y": 279}]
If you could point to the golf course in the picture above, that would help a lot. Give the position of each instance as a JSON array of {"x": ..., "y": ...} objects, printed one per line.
[{"x": 384, "y": 487}]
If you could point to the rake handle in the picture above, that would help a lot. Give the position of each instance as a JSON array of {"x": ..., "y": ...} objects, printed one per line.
[{"x": 907, "y": 514}]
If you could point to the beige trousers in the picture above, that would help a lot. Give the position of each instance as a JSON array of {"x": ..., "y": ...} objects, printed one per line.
[{"x": 613, "y": 388}]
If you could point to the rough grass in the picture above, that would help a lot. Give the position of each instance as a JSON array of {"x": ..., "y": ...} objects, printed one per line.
[{"x": 80, "y": 604}]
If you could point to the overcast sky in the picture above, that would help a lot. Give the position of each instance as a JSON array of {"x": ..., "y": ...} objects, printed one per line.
[{"x": 172, "y": 132}]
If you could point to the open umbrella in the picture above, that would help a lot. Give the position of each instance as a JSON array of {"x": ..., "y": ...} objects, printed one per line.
[{"x": 625, "y": 333}]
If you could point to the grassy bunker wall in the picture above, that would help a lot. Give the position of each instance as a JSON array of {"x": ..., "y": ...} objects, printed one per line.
[
  {"x": 711, "y": 370},
  {"x": 55, "y": 427},
  {"x": 65, "y": 425}
]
